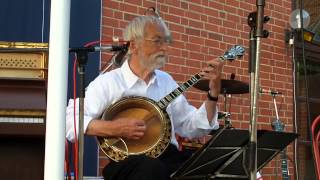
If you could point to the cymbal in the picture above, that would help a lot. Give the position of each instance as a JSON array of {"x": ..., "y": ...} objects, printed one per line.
[
  {"x": 228, "y": 86},
  {"x": 222, "y": 114}
]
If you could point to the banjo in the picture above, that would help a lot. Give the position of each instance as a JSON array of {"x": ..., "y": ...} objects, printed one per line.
[{"x": 158, "y": 132}]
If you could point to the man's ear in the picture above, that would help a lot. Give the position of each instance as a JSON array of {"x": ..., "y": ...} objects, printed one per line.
[{"x": 133, "y": 47}]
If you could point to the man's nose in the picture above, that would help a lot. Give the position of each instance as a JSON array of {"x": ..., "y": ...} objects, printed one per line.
[{"x": 164, "y": 46}]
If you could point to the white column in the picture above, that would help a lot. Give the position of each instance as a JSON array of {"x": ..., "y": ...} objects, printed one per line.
[{"x": 57, "y": 89}]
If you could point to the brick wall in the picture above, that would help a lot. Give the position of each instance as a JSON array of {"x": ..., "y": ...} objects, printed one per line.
[{"x": 203, "y": 30}]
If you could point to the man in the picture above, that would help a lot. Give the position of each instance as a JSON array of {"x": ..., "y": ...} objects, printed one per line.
[{"x": 139, "y": 76}]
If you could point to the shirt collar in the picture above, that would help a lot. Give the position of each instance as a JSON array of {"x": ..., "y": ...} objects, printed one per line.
[{"x": 130, "y": 78}]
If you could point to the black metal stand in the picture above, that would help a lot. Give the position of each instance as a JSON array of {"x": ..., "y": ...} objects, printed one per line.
[
  {"x": 82, "y": 58},
  {"x": 226, "y": 117},
  {"x": 256, "y": 21},
  {"x": 225, "y": 155}
]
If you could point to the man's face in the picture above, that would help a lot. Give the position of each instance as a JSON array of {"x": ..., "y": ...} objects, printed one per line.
[{"x": 152, "y": 49}]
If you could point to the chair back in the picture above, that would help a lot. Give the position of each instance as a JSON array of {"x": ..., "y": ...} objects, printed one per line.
[{"x": 315, "y": 128}]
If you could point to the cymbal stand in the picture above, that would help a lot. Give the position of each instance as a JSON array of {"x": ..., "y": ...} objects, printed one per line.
[{"x": 226, "y": 115}]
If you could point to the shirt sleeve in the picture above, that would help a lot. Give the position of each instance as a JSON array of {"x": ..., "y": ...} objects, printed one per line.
[
  {"x": 97, "y": 98},
  {"x": 189, "y": 121},
  {"x": 70, "y": 120}
]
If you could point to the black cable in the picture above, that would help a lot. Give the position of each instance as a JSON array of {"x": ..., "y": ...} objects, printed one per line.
[{"x": 113, "y": 55}]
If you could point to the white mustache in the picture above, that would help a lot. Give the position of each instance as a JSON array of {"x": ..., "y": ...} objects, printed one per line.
[{"x": 160, "y": 56}]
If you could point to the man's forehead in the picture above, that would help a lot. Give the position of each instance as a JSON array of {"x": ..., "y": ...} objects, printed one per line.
[{"x": 153, "y": 30}]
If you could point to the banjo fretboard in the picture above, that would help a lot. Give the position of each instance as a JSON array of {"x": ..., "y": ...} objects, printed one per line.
[{"x": 164, "y": 102}]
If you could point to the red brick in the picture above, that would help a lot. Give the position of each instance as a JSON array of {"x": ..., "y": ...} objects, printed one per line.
[
  {"x": 172, "y": 18},
  {"x": 135, "y": 2},
  {"x": 112, "y": 4},
  {"x": 230, "y": 9},
  {"x": 192, "y": 70},
  {"x": 228, "y": 24},
  {"x": 192, "y": 15},
  {"x": 178, "y": 44},
  {"x": 196, "y": 40},
  {"x": 214, "y": 20},
  {"x": 194, "y": 32},
  {"x": 173, "y": 68},
  {"x": 110, "y": 22},
  {"x": 203, "y": 30},
  {"x": 191, "y": 95},
  {"x": 204, "y": 34},
  {"x": 176, "y": 11},
  {"x": 196, "y": 56},
  {"x": 196, "y": 8},
  {"x": 129, "y": 17},
  {"x": 174, "y": 3},
  {"x": 196, "y": 24},
  {"x": 184, "y": 5},
  {"x": 163, "y": 8},
  {"x": 118, "y": 15},
  {"x": 175, "y": 52},
  {"x": 233, "y": 3},
  {"x": 211, "y": 27},
  {"x": 193, "y": 47},
  {"x": 215, "y": 5},
  {"x": 108, "y": 12},
  {"x": 148, "y": 4}
]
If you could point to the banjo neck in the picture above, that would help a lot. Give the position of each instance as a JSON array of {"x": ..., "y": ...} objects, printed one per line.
[
  {"x": 164, "y": 102},
  {"x": 233, "y": 53}
]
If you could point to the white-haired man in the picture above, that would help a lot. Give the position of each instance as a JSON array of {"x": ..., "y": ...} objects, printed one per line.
[{"x": 140, "y": 76}]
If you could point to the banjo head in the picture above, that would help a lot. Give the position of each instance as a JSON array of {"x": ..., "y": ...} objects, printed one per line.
[{"x": 156, "y": 138}]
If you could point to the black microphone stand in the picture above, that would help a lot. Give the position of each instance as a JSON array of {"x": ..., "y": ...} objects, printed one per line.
[
  {"x": 255, "y": 20},
  {"x": 82, "y": 58}
]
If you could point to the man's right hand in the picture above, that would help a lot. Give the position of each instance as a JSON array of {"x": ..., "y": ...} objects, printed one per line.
[
  {"x": 130, "y": 128},
  {"x": 121, "y": 127}
]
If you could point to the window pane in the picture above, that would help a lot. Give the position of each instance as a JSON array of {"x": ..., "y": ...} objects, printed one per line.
[
  {"x": 303, "y": 126},
  {"x": 313, "y": 74},
  {"x": 305, "y": 159}
]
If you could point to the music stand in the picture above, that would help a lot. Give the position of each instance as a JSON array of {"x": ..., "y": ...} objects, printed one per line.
[{"x": 226, "y": 156}]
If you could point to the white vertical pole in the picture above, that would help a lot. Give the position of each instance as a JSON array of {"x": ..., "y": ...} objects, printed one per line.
[{"x": 57, "y": 89}]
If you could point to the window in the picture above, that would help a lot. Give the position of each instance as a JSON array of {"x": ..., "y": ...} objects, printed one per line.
[
  {"x": 304, "y": 148},
  {"x": 313, "y": 8}
]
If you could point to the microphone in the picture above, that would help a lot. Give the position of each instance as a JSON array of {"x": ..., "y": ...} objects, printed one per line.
[
  {"x": 109, "y": 48},
  {"x": 271, "y": 92}
]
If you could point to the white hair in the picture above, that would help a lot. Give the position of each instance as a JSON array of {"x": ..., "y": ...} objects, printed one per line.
[{"x": 135, "y": 30}]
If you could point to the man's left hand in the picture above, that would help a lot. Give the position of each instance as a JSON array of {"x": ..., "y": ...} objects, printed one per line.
[{"x": 213, "y": 74}]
